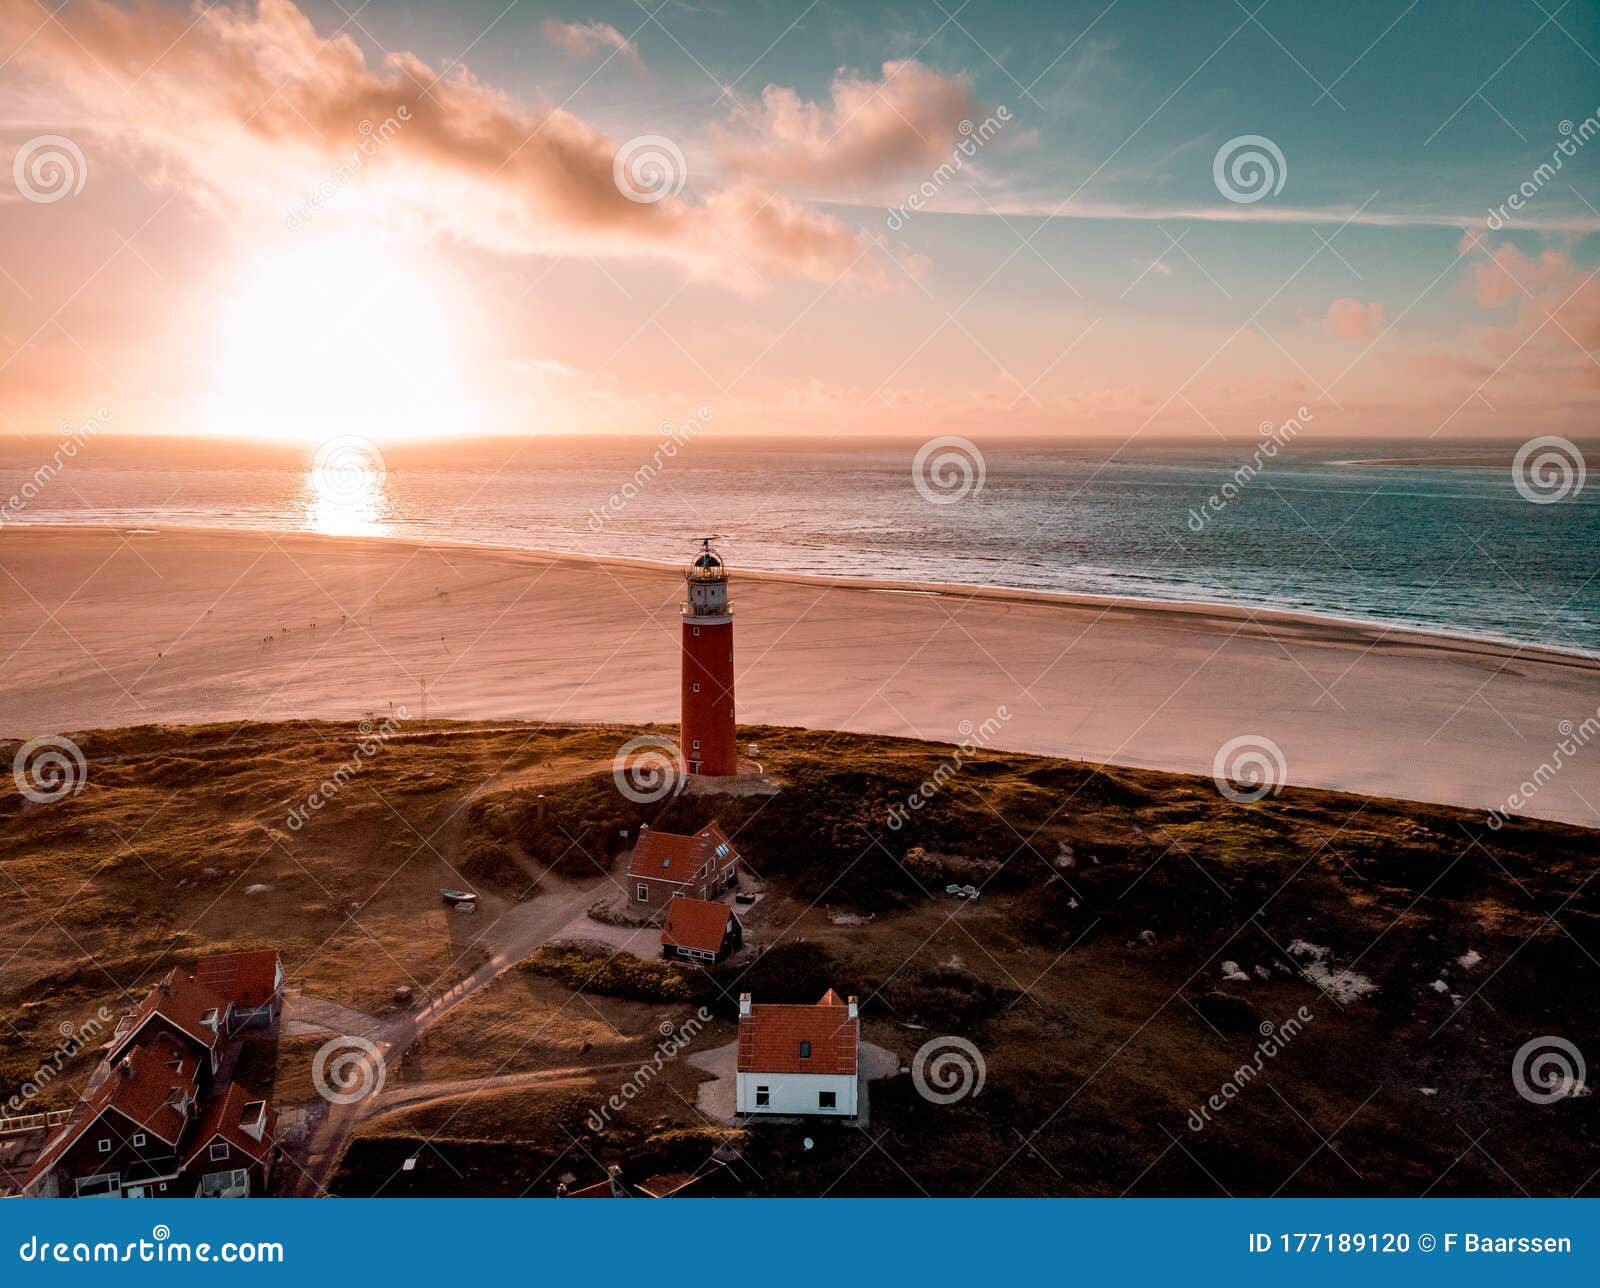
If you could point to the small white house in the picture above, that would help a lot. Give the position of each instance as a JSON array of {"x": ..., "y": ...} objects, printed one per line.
[{"x": 796, "y": 1059}]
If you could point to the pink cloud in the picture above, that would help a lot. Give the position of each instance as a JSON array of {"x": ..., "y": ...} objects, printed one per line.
[
  {"x": 906, "y": 123},
  {"x": 1544, "y": 353},
  {"x": 1504, "y": 273},
  {"x": 580, "y": 39},
  {"x": 247, "y": 110},
  {"x": 1350, "y": 319}
]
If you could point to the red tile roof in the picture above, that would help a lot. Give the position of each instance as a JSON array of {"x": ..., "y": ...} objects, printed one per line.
[
  {"x": 770, "y": 1038},
  {"x": 226, "y": 1118},
  {"x": 696, "y": 923},
  {"x": 245, "y": 979},
  {"x": 668, "y": 856},
  {"x": 184, "y": 1003},
  {"x": 143, "y": 1086}
]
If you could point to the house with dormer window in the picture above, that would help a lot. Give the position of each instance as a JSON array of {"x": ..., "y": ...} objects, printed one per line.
[{"x": 666, "y": 865}]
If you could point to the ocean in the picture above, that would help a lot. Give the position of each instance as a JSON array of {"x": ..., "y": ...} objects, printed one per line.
[{"x": 1448, "y": 543}]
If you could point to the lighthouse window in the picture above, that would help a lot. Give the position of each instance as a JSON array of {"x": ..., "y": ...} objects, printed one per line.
[
  {"x": 697, "y": 744},
  {"x": 697, "y": 688},
  {"x": 697, "y": 630}
]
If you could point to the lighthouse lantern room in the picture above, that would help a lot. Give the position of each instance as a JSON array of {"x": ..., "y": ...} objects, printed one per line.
[{"x": 708, "y": 733}]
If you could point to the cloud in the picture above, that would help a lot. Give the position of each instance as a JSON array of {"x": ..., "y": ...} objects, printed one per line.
[
  {"x": 873, "y": 130},
  {"x": 249, "y": 112},
  {"x": 580, "y": 39},
  {"x": 1350, "y": 319},
  {"x": 1545, "y": 352},
  {"x": 1503, "y": 273}
]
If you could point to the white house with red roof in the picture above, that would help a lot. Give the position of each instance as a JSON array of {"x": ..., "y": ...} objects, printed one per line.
[{"x": 798, "y": 1059}]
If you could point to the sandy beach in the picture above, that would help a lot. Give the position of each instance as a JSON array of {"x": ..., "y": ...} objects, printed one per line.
[{"x": 111, "y": 628}]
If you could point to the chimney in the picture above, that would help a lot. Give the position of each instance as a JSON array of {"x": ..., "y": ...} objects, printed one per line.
[
  {"x": 166, "y": 987},
  {"x": 853, "y": 1010},
  {"x": 744, "y": 1004},
  {"x": 614, "y": 1175},
  {"x": 125, "y": 1066}
]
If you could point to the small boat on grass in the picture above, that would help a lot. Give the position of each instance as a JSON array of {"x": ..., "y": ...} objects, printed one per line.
[{"x": 455, "y": 898}]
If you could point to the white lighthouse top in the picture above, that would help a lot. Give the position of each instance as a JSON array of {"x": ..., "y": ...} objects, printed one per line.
[{"x": 707, "y": 581}]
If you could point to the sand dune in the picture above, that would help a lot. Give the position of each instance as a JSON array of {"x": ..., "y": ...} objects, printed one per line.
[{"x": 104, "y": 628}]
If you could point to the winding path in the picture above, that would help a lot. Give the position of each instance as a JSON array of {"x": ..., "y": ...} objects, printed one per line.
[{"x": 511, "y": 937}]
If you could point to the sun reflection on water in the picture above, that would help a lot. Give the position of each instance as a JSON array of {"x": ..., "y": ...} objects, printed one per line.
[{"x": 344, "y": 489}]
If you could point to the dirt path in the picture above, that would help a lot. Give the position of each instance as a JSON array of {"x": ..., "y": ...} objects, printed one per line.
[
  {"x": 429, "y": 1093},
  {"x": 514, "y": 934}
]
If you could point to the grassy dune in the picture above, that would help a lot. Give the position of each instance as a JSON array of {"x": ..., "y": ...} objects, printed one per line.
[{"x": 1098, "y": 974}]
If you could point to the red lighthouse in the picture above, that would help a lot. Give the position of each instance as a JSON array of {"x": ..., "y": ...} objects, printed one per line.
[{"x": 708, "y": 737}]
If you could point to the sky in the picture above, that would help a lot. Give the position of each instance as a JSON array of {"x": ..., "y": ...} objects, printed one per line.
[{"x": 401, "y": 219}]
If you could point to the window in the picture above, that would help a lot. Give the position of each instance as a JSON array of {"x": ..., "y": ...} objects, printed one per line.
[
  {"x": 138, "y": 1139},
  {"x": 219, "y": 1151},
  {"x": 827, "y": 1100},
  {"x": 697, "y": 630},
  {"x": 644, "y": 892},
  {"x": 697, "y": 687},
  {"x": 697, "y": 744},
  {"x": 763, "y": 1097},
  {"x": 105, "y": 1145},
  {"x": 805, "y": 1050}
]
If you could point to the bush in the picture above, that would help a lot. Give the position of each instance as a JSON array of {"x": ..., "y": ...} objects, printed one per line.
[{"x": 619, "y": 975}]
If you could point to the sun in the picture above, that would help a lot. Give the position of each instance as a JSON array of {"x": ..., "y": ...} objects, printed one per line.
[{"x": 339, "y": 336}]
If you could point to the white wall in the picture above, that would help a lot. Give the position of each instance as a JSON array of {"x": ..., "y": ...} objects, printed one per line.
[{"x": 796, "y": 1093}]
